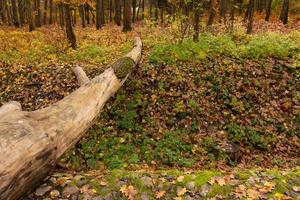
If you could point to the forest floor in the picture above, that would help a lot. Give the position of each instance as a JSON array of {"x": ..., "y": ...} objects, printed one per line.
[{"x": 217, "y": 119}]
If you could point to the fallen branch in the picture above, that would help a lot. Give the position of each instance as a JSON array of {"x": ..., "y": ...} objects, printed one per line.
[{"x": 32, "y": 142}]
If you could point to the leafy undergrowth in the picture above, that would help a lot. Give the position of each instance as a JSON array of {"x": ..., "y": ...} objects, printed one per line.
[
  {"x": 171, "y": 184},
  {"x": 181, "y": 108}
]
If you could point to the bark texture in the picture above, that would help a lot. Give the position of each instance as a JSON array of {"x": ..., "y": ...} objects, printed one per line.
[{"x": 32, "y": 142}]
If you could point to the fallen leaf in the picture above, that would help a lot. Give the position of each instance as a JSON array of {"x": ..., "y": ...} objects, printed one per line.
[
  {"x": 296, "y": 188},
  {"x": 181, "y": 191},
  {"x": 128, "y": 191},
  {"x": 253, "y": 194},
  {"x": 160, "y": 194},
  {"x": 180, "y": 178}
]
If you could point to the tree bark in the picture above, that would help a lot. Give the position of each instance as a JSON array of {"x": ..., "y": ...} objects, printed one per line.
[
  {"x": 284, "y": 12},
  {"x": 15, "y": 12},
  {"x": 69, "y": 28},
  {"x": 82, "y": 15},
  {"x": 196, "y": 25},
  {"x": 268, "y": 10},
  {"x": 133, "y": 10},
  {"x": 45, "y": 11},
  {"x": 250, "y": 16},
  {"x": 118, "y": 12},
  {"x": 32, "y": 142},
  {"x": 127, "y": 16},
  {"x": 99, "y": 14},
  {"x": 38, "y": 13},
  {"x": 3, "y": 11},
  {"x": 21, "y": 6},
  {"x": 29, "y": 15},
  {"x": 51, "y": 11}
]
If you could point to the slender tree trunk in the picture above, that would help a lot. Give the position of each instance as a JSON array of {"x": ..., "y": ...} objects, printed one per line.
[
  {"x": 21, "y": 6},
  {"x": 133, "y": 10},
  {"x": 99, "y": 15},
  {"x": 29, "y": 15},
  {"x": 38, "y": 13},
  {"x": 87, "y": 13},
  {"x": 156, "y": 10},
  {"x": 102, "y": 13},
  {"x": 196, "y": 25},
  {"x": 127, "y": 16},
  {"x": 284, "y": 12},
  {"x": 82, "y": 15},
  {"x": 61, "y": 15},
  {"x": 51, "y": 11},
  {"x": 69, "y": 29},
  {"x": 138, "y": 10},
  {"x": 162, "y": 10},
  {"x": 268, "y": 10},
  {"x": 211, "y": 17},
  {"x": 3, "y": 11},
  {"x": 45, "y": 11},
  {"x": 118, "y": 12},
  {"x": 143, "y": 9},
  {"x": 151, "y": 9},
  {"x": 15, "y": 13},
  {"x": 74, "y": 16},
  {"x": 250, "y": 16},
  {"x": 110, "y": 10},
  {"x": 223, "y": 10}
]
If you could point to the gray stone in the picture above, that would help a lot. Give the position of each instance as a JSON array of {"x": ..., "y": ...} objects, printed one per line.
[
  {"x": 52, "y": 180},
  {"x": 97, "y": 198},
  {"x": 54, "y": 194},
  {"x": 190, "y": 186},
  {"x": 144, "y": 196},
  {"x": 108, "y": 197},
  {"x": 68, "y": 191},
  {"x": 204, "y": 190},
  {"x": 78, "y": 177},
  {"x": 147, "y": 181},
  {"x": 42, "y": 190}
]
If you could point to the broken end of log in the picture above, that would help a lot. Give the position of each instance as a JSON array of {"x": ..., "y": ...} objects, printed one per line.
[{"x": 10, "y": 107}]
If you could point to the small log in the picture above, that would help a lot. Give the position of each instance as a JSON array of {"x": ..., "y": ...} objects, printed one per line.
[{"x": 32, "y": 142}]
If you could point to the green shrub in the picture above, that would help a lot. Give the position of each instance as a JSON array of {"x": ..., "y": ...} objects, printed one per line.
[{"x": 246, "y": 46}]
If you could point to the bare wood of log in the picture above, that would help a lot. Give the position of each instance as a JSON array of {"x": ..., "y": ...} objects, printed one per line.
[{"x": 32, "y": 142}]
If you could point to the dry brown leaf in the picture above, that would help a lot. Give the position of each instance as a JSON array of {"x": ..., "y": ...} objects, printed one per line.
[
  {"x": 160, "y": 194},
  {"x": 128, "y": 191},
  {"x": 253, "y": 194},
  {"x": 181, "y": 191},
  {"x": 180, "y": 178}
]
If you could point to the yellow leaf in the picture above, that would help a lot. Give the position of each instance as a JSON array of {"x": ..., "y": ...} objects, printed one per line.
[
  {"x": 128, "y": 191},
  {"x": 253, "y": 194},
  {"x": 181, "y": 191},
  {"x": 160, "y": 194},
  {"x": 278, "y": 196},
  {"x": 180, "y": 178}
]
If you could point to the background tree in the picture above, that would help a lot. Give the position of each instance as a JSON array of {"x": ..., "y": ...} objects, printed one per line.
[
  {"x": 285, "y": 12},
  {"x": 268, "y": 10},
  {"x": 69, "y": 29},
  {"x": 127, "y": 16},
  {"x": 250, "y": 16}
]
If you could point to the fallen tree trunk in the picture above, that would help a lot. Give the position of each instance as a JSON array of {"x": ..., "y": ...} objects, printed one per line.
[{"x": 32, "y": 142}]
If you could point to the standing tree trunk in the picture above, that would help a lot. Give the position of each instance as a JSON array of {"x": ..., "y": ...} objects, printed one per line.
[
  {"x": 38, "y": 13},
  {"x": 45, "y": 11},
  {"x": 15, "y": 13},
  {"x": 3, "y": 11},
  {"x": 133, "y": 10},
  {"x": 32, "y": 142},
  {"x": 29, "y": 15},
  {"x": 69, "y": 29},
  {"x": 99, "y": 14},
  {"x": 284, "y": 12},
  {"x": 196, "y": 25},
  {"x": 87, "y": 13},
  {"x": 61, "y": 15},
  {"x": 162, "y": 10},
  {"x": 250, "y": 16},
  {"x": 110, "y": 10},
  {"x": 82, "y": 15},
  {"x": 21, "y": 6},
  {"x": 212, "y": 13},
  {"x": 223, "y": 10},
  {"x": 118, "y": 11},
  {"x": 143, "y": 9},
  {"x": 268, "y": 10},
  {"x": 51, "y": 11},
  {"x": 127, "y": 16}
]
